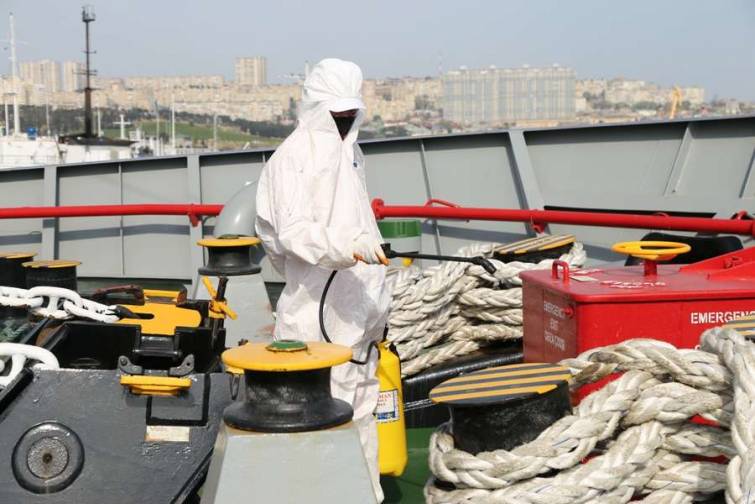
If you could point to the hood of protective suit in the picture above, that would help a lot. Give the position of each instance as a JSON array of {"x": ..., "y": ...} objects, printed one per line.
[{"x": 333, "y": 85}]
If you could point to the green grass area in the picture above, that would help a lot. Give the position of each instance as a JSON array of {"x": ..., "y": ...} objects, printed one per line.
[{"x": 227, "y": 136}]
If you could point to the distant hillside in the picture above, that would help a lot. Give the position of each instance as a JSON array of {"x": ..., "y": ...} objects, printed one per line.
[
  {"x": 232, "y": 133},
  {"x": 229, "y": 137}
]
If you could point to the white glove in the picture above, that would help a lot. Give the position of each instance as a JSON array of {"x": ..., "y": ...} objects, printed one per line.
[{"x": 368, "y": 250}]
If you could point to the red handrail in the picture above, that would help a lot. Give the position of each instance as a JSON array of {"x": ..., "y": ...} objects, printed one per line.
[
  {"x": 540, "y": 217},
  {"x": 191, "y": 210},
  {"x": 536, "y": 217}
]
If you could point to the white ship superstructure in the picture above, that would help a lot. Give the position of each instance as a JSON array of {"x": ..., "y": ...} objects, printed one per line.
[{"x": 18, "y": 149}]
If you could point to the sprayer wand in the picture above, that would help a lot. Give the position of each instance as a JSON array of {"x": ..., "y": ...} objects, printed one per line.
[{"x": 478, "y": 260}]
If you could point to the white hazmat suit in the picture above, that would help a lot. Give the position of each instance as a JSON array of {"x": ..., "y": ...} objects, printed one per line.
[{"x": 313, "y": 215}]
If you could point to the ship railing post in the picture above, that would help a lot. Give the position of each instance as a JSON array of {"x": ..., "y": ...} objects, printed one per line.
[
  {"x": 49, "y": 244},
  {"x": 429, "y": 190},
  {"x": 530, "y": 195},
  {"x": 195, "y": 232}
]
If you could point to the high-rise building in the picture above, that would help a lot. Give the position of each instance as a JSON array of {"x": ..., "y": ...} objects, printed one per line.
[
  {"x": 251, "y": 71},
  {"x": 494, "y": 96},
  {"x": 43, "y": 73},
  {"x": 695, "y": 95},
  {"x": 73, "y": 76},
  {"x": 175, "y": 82}
]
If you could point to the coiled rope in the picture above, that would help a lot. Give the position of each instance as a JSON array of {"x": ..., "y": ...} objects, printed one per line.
[
  {"x": 454, "y": 308},
  {"x": 639, "y": 427}
]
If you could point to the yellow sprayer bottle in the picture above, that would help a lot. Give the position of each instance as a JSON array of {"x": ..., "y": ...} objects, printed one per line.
[{"x": 392, "y": 454}]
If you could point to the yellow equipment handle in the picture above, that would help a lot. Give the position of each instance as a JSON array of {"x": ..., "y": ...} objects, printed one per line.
[
  {"x": 155, "y": 385},
  {"x": 218, "y": 309},
  {"x": 652, "y": 250}
]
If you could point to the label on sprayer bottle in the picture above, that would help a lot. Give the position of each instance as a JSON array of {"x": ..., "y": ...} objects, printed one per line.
[{"x": 387, "y": 406}]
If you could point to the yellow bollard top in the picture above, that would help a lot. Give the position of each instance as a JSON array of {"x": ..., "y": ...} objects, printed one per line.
[{"x": 286, "y": 355}]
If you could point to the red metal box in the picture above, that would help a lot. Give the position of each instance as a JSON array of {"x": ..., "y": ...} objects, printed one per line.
[{"x": 568, "y": 312}]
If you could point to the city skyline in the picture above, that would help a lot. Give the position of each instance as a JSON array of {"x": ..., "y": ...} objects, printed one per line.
[
  {"x": 466, "y": 98},
  {"x": 131, "y": 39}
]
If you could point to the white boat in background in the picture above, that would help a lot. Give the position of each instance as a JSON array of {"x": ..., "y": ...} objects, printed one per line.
[{"x": 20, "y": 150}]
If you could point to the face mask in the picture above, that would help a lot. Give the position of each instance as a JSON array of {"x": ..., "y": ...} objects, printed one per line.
[{"x": 344, "y": 125}]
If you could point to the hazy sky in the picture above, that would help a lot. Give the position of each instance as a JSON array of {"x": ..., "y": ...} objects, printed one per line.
[{"x": 703, "y": 42}]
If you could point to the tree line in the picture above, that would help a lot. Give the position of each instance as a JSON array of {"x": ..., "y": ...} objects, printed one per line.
[{"x": 71, "y": 121}]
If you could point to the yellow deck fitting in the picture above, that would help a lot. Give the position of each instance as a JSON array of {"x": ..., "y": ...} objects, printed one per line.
[
  {"x": 217, "y": 309},
  {"x": 241, "y": 241},
  {"x": 537, "y": 244},
  {"x": 165, "y": 318},
  {"x": 260, "y": 357},
  {"x": 651, "y": 250},
  {"x": 155, "y": 385},
  {"x": 55, "y": 263},
  {"x": 500, "y": 382},
  {"x": 233, "y": 370},
  {"x": 17, "y": 255}
]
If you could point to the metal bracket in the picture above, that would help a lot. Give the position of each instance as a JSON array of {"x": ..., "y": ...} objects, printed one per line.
[
  {"x": 183, "y": 369},
  {"x": 125, "y": 366}
]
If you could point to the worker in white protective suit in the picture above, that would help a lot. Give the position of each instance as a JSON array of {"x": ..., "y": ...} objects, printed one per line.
[{"x": 314, "y": 216}]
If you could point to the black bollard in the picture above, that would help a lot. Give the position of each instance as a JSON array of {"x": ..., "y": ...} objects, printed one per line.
[
  {"x": 229, "y": 255},
  {"x": 12, "y": 273},
  {"x": 287, "y": 387},
  {"x": 504, "y": 407},
  {"x": 534, "y": 250},
  {"x": 55, "y": 273}
]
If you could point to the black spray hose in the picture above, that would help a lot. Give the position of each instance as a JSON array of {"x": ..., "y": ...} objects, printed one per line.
[{"x": 373, "y": 345}]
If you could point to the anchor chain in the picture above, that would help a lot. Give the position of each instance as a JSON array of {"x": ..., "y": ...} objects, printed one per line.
[
  {"x": 19, "y": 354},
  {"x": 57, "y": 303}
]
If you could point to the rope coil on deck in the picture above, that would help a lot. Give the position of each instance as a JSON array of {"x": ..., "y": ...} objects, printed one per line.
[
  {"x": 455, "y": 308},
  {"x": 638, "y": 426}
]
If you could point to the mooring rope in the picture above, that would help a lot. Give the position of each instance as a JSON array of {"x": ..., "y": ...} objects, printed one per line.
[
  {"x": 454, "y": 308},
  {"x": 640, "y": 422}
]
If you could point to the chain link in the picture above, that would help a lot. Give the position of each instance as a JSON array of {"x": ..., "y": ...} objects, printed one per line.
[
  {"x": 19, "y": 354},
  {"x": 57, "y": 303}
]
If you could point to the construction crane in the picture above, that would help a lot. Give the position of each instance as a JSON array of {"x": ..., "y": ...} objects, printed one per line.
[{"x": 676, "y": 100}]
